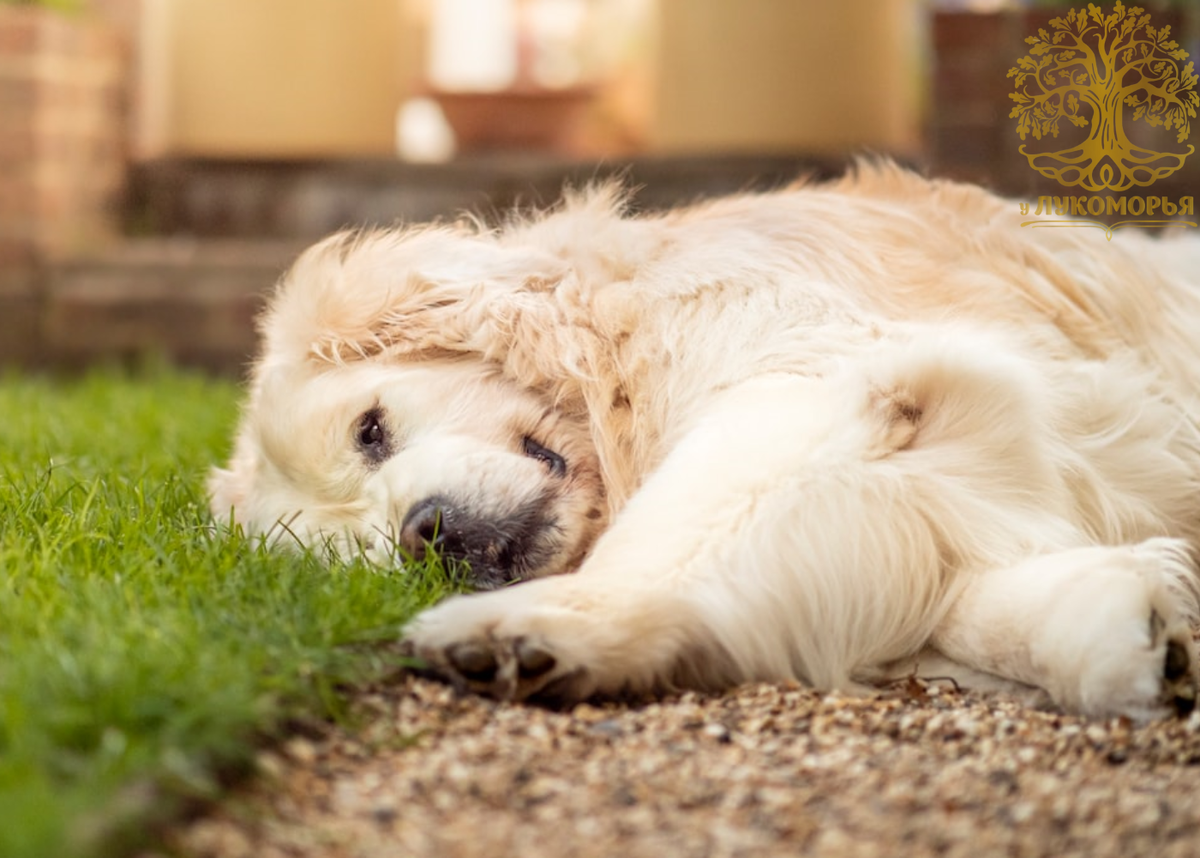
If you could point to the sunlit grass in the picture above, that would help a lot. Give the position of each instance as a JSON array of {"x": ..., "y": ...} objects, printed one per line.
[{"x": 143, "y": 655}]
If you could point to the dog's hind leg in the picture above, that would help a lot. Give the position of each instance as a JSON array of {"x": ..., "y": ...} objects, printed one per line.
[{"x": 1104, "y": 631}]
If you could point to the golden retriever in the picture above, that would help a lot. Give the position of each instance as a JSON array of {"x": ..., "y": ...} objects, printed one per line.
[{"x": 835, "y": 433}]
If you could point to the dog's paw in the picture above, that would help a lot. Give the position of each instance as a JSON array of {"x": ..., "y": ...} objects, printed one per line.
[
  {"x": 506, "y": 668},
  {"x": 1142, "y": 660},
  {"x": 497, "y": 645}
]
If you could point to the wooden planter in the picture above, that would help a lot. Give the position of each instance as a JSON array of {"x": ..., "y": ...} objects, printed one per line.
[{"x": 62, "y": 133}]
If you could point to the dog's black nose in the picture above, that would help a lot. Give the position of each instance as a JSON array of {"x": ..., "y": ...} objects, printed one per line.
[{"x": 422, "y": 526}]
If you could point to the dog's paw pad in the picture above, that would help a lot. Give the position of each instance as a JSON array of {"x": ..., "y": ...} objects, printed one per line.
[
  {"x": 533, "y": 660},
  {"x": 1179, "y": 677},
  {"x": 564, "y": 690},
  {"x": 474, "y": 661}
]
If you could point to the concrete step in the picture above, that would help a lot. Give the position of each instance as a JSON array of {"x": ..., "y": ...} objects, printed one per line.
[
  {"x": 190, "y": 302},
  {"x": 308, "y": 199}
]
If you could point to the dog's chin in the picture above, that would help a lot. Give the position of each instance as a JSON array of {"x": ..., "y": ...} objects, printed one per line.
[
  {"x": 491, "y": 570},
  {"x": 483, "y": 576}
]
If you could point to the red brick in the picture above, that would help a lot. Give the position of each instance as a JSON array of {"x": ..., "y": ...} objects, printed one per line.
[
  {"x": 70, "y": 151},
  {"x": 19, "y": 31},
  {"x": 14, "y": 254},
  {"x": 16, "y": 147}
]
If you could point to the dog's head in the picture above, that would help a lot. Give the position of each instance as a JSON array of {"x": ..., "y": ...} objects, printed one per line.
[{"x": 379, "y": 419}]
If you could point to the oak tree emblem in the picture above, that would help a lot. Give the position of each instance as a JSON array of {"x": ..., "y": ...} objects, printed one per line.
[{"x": 1103, "y": 72}]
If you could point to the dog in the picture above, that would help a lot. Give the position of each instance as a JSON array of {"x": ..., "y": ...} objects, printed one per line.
[{"x": 837, "y": 433}]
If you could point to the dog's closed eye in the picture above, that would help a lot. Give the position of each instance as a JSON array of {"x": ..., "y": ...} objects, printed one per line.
[
  {"x": 556, "y": 463},
  {"x": 371, "y": 436}
]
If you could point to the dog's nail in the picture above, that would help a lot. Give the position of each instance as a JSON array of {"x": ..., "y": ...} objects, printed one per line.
[
  {"x": 1176, "y": 662},
  {"x": 1184, "y": 703}
]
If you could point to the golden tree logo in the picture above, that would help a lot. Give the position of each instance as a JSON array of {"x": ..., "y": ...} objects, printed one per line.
[{"x": 1102, "y": 72}]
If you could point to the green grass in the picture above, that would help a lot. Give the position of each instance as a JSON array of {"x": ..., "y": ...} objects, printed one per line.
[{"x": 143, "y": 656}]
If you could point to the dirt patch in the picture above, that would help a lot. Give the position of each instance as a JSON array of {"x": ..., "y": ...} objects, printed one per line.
[{"x": 763, "y": 770}]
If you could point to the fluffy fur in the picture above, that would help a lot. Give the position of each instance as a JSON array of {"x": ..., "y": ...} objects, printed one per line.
[{"x": 835, "y": 433}]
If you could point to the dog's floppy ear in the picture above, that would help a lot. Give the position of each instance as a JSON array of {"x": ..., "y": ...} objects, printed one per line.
[{"x": 357, "y": 295}]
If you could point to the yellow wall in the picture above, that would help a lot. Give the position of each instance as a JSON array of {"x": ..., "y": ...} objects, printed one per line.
[
  {"x": 277, "y": 78},
  {"x": 799, "y": 75},
  {"x": 296, "y": 78}
]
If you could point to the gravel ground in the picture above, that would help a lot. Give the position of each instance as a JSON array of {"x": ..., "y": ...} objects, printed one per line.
[{"x": 763, "y": 770}]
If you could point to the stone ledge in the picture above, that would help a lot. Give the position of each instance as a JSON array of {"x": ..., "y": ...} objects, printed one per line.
[
  {"x": 192, "y": 303},
  {"x": 20, "y": 306},
  {"x": 308, "y": 199}
]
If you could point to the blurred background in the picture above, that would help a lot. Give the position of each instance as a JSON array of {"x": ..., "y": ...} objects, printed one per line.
[{"x": 162, "y": 160}]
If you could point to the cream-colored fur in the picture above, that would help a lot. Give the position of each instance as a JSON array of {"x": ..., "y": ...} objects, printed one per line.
[{"x": 834, "y": 433}]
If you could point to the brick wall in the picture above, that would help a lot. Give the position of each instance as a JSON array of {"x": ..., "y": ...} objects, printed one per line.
[{"x": 62, "y": 133}]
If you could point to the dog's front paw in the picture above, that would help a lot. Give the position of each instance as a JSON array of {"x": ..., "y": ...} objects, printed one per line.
[
  {"x": 498, "y": 645},
  {"x": 507, "y": 668}
]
